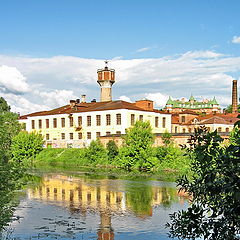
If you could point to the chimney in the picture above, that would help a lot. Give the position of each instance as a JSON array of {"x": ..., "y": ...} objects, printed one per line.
[
  {"x": 234, "y": 97},
  {"x": 77, "y": 100},
  {"x": 72, "y": 103},
  {"x": 83, "y": 98}
]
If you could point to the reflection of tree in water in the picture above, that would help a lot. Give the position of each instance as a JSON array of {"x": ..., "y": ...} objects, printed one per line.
[
  {"x": 139, "y": 199},
  {"x": 168, "y": 196}
]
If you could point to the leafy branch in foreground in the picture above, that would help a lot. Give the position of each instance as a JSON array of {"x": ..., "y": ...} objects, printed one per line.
[{"x": 215, "y": 190}]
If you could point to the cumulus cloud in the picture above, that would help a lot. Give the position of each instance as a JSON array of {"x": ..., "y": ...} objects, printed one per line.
[
  {"x": 58, "y": 79},
  {"x": 143, "y": 49},
  {"x": 236, "y": 39},
  {"x": 125, "y": 98},
  {"x": 56, "y": 98},
  {"x": 11, "y": 80},
  {"x": 158, "y": 98}
]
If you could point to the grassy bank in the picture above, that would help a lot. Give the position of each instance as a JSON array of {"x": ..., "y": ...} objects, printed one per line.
[{"x": 168, "y": 159}]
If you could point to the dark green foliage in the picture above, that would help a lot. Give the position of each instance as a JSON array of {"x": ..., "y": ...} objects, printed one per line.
[
  {"x": 26, "y": 145},
  {"x": 137, "y": 150},
  {"x": 112, "y": 150},
  {"x": 215, "y": 190},
  {"x": 10, "y": 172},
  {"x": 9, "y": 127},
  {"x": 3, "y": 105},
  {"x": 96, "y": 153}
]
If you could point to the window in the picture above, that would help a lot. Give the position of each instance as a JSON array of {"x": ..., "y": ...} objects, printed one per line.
[
  {"x": 219, "y": 129},
  {"x": 47, "y": 123},
  {"x": 227, "y": 129},
  {"x": 70, "y": 121},
  {"x": 140, "y": 117},
  {"x": 40, "y": 123},
  {"x": 183, "y": 119},
  {"x": 132, "y": 119},
  {"x": 119, "y": 119},
  {"x": 118, "y": 132},
  {"x": 80, "y": 121},
  {"x": 63, "y": 122},
  {"x": 71, "y": 136},
  {"x": 54, "y": 122},
  {"x": 79, "y": 135},
  {"x": 164, "y": 122},
  {"x": 98, "y": 134},
  {"x": 189, "y": 130},
  {"x": 156, "y": 122},
  {"x": 108, "y": 133},
  {"x": 89, "y": 135},
  {"x": 184, "y": 130},
  {"x": 98, "y": 120},
  {"x": 108, "y": 119},
  {"x": 47, "y": 136},
  {"x": 175, "y": 129},
  {"x": 33, "y": 124},
  {"x": 63, "y": 136},
  {"x": 89, "y": 122}
]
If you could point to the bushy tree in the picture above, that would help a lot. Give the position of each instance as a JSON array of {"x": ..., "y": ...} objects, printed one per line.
[
  {"x": 215, "y": 190},
  {"x": 229, "y": 108},
  {"x": 167, "y": 138},
  {"x": 96, "y": 153},
  {"x": 137, "y": 150},
  {"x": 112, "y": 150},
  {"x": 26, "y": 145}
]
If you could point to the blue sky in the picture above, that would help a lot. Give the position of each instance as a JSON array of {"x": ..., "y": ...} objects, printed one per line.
[{"x": 34, "y": 33}]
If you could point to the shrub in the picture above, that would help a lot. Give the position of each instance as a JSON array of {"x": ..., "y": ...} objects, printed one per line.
[{"x": 26, "y": 145}]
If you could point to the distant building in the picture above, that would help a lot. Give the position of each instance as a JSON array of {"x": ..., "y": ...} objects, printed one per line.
[
  {"x": 205, "y": 107},
  {"x": 80, "y": 122}
]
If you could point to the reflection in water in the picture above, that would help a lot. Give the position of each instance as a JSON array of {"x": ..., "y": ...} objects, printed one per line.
[{"x": 105, "y": 197}]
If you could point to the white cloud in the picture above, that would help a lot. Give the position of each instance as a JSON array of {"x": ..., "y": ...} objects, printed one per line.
[
  {"x": 236, "y": 39},
  {"x": 143, "y": 49},
  {"x": 158, "y": 98},
  {"x": 11, "y": 80},
  {"x": 125, "y": 98},
  {"x": 56, "y": 98},
  {"x": 58, "y": 79}
]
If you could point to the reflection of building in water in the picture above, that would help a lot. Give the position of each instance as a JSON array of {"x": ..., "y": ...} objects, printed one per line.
[{"x": 82, "y": 195}]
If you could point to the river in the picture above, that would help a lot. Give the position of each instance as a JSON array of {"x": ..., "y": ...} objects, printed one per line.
[{"x": 84, "y": 206}]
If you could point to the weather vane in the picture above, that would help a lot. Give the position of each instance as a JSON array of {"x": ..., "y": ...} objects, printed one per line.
[{"x": 106, "y": 62}]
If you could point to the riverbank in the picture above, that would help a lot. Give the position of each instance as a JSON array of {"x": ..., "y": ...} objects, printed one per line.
[{"x": 171, "y": 161}]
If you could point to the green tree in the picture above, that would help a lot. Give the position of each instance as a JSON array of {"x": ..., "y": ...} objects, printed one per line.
[
  {"x": 137, "y": 151},
  {"x": 167, "y": 138},
  {"x": 112, "y": 150},
  {"x": 3, "y": 105},
  {"x": 96, "y": 153},
  {"x": 215, "y": 189},
  {"x": 26, "y": 145},
  {"x": 229, "y": 108}
]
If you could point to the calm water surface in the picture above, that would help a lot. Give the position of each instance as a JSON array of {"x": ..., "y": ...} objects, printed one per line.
[{"x": 80, "y": 206}]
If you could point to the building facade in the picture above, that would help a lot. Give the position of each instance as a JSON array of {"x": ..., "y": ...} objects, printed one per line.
[
  {"x": 205, "y": 107},
  {"x": 77, "y": 124}
]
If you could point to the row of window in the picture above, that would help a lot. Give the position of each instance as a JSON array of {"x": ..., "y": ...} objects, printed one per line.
[
  {"x": 98, "y": 121},
  {"x": 80, "y": 135},
  {"x": 190, "y": 130},
  {"x": 71, "y": 122}
]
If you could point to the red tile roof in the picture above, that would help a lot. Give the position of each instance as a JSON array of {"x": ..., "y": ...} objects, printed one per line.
[{"x": 89, "y": 107}]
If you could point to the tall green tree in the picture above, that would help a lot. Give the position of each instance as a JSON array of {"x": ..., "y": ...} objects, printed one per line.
[
  {"x": 137, "y": 151},
  {"x": 215, "y": 190},
  {"x": 229, "y": 108},
  {"x": 112, "y": 150}
]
